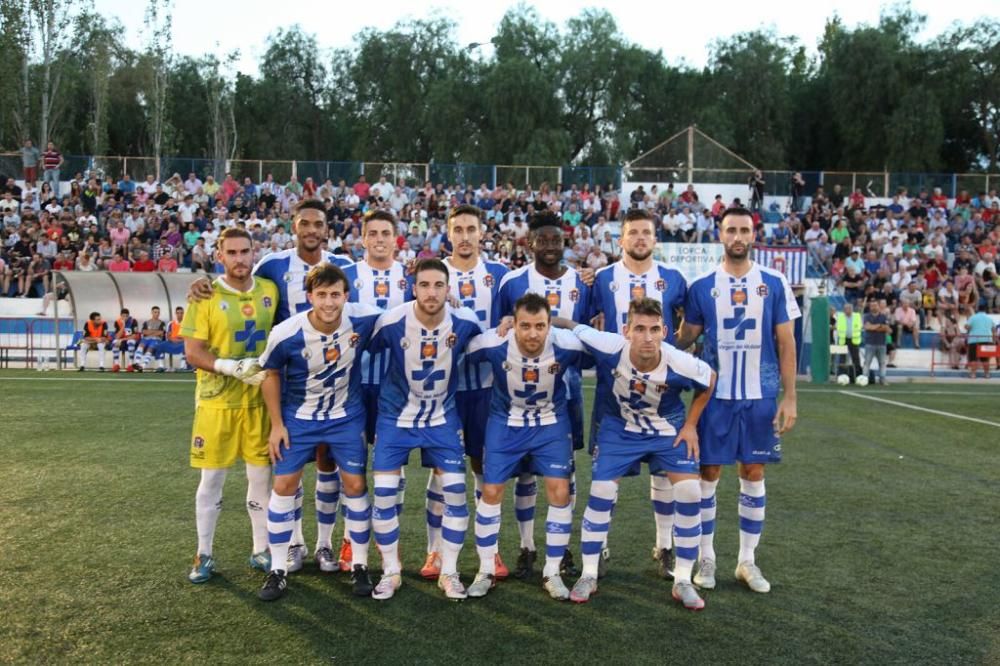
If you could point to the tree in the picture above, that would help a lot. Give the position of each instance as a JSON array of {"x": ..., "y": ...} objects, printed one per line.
[
  {"x": 16, "y": 37},
  {"x": 159, "y": 59},
  {"x": 221, "y": 109},
  {"x": 96, "y": 41},
  {"x": 52, "y": 21}
]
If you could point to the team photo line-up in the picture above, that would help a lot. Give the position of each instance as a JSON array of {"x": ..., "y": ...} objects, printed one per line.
[{"x": 307, "y": 357}]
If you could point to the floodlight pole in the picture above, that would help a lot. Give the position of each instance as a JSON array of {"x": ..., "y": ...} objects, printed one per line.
[{"x": 690, "y": 159}]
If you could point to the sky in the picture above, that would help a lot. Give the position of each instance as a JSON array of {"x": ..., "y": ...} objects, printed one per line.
[{"x": 682, "y": 31}]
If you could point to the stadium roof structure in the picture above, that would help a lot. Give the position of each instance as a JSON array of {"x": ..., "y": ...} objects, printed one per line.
[{"x": 684, "y": 155}]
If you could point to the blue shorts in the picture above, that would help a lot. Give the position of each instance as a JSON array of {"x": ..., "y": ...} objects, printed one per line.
[
  {"x": 168, "y": 347},
  {"x": 542, "y": 450},
  {"x": 151, "y": 343},
  {"x": 344, "y": 440},
  {"x": 369, "y": 396},
  {"x": 574, "y": 402},
  {"x": 440, "y": 446},
  {"x": 739, "y": 430},
  {"x": 473, "y": 411},
  {"x": 619, "y": 453}
]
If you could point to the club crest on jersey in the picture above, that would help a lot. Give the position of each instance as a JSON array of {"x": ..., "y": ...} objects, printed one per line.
[
  {"x": 613, "y": 286},
  {"x": 402, "y": 284},
  {"x": 574, "y": 295},
  {"x": 661, "y": 285},
  {"x": 355, "y": 339},
  {"x": 332, "y": 355},
  {"x": 638, "y": 291},
  {"x": 381, "y": 289},
  {"x": 247, "y": 310},
  {"x": 467, "y": 289},
  {"x": 488, "y": 281},
  {"x": 529, "y": 375},
  {"x": 451, "y": 340},
  {"x": 428, "y": 349},
  {"x": 554, "y": 368},
  {"x": 199, "y": 442},
  {"x": 662, "y": 388},
  {"x": 267, "y": 302},
  {"x": 404, "y": 343},
  {"x": 762, "y": 291}
]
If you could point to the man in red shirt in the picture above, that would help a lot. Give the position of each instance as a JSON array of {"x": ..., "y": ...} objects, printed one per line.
[
  {"x": 119, "y": 264},
  {"x": 167, "y": 264},
  {"x": 64, "y": 262},
  {"x": 52, "y": 161},
  {"x": 144, "y": 264},
  {"x": 361, "y": 188}
]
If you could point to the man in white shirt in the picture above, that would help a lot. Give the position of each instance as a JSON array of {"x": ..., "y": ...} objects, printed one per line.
[
  {"x": 382, "y": 189},
  {"x": 210, "y": 234},
  {"x": 187, "y": 209},
  {"x": 150, "y": 185}
]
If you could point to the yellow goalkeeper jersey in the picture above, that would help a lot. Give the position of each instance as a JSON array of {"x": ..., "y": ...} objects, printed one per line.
[{"x": 236, "y": 325}]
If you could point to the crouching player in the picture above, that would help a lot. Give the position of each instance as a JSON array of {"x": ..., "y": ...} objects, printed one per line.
[
  {"x": 528, "y": 424},
  {"x": 313, "y": 396},
  {"x": 644, "y": 421}
]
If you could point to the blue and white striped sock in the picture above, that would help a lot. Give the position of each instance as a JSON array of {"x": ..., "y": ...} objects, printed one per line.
[
  {"x": 401, "y": 493},
  {"x": 454, "y": 522},
  {"x": 130, "y": 345},
  {"x": 525, "y": 492},
  {"x": 752, "y": 502},
  {"x": 596, "y": 521},
  {"x": 487, "y": 534},
  {"x": 327, "y": 502},
  {"x": 358, "y": 517},
  {"x": 116, "y": 353},
  {"x": 385, "y": 522},
  {"x": 297, "y": 537},
  {"x": 434, "y": 505},
  {"x": 687, "y": 527},
  {"x": 477, "y": 478},
  {"x": 558, "y": 525},
  {"x": 280, "y": 516},
  {"x": 708, "y": 519},
  {"x": 661, "y": 493}
]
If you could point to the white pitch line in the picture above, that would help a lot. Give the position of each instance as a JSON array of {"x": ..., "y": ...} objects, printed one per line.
[
  {"x": 893, "y": 392},
  {"x": 921, "y": 409},
  {"x": 180, "y": 382}
]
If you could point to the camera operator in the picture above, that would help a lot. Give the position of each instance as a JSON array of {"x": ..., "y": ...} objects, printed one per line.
[
  {"x": 756, "y": 183},
  {"x": 797, "y": 189}
]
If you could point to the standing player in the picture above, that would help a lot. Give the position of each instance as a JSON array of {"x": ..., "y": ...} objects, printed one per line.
[
  {"x": 313, "y": 396},
  {"x": 615, "y": 287},
  {"x": 124, "y": 342},
  {"x": 379, "y": 281},
  {"x": 423, "y": 341},
  {"x": 474, "y": 284},
  {"x": 568, "y": 297},
  {"x": 95, "y": 335},
  {"x": 153, "y": 330},
  {"x": 643, "y": 420},
  {"x": 222, "y": 336},
  {"x": 747, "y": 313},
  {"x": 287, "y": 269},
  {"x": 528, "y": 425}
]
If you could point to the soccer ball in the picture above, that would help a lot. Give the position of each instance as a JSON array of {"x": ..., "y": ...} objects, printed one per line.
[
  {"x": 843, "y": 380},
  {"x": 862, "y": 380}
]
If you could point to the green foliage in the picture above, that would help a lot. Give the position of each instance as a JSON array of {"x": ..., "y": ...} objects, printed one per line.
[{"x": 874, "y": 97}]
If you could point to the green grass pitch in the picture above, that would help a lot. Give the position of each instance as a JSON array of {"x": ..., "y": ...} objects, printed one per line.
[{"x": 881, "y": 543}]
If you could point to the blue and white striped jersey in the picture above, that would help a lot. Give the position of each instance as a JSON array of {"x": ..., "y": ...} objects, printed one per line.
[
  {"x": 287, "y": 270},
  {"x": 418, "y": 389},
  {"x": 384, "y": 289},
  {"x": 321, "y": 379},
  {"x": 739, "y": 317},
  {"x": 615, "y": 288},
  {"x": 642, "y": 402},
  {"x": 477, "y": 290},
  {"x": 568, "y": 296},
  {"x": 528, "y": 391}
]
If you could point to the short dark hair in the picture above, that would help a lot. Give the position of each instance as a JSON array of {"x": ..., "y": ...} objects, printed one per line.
[
  {"x": 309, "y": 204},
  {"x": 544, "y": 218},
  {"x": 326, "y": 275},
  {"x": 431, "y": 265},
  {"x": 532, "y": 304},
  {"x": 739, "y": 211},
  {"x": 94, "y": 314},
  {"x": 635, "y": 214},
  {"x": 465, "y": 209},
  {"x": 378, "y": 214},
  {"x": 645, "y": 306}
]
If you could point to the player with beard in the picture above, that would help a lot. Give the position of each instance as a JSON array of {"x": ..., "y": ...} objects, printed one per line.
[
  {"x": 474, "y": 284},
  {"x": 288, "y": 270},
  {"x": 747, "y": 313},
  {"x": 637, "y": 276},
  {"x": 568, "y": 297}
]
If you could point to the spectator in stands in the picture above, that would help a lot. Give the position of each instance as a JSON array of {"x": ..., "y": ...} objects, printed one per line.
[
  {"x": 981, "y": 331},
  {"x": 85, "y": 263},
  {"x": 914, "y": 298},
  {"x": 119, "y": 264},
  {"x": 907, "y": 321},
  {"x": 52, "y": 161},
  {"x": 143, "y": 264}
]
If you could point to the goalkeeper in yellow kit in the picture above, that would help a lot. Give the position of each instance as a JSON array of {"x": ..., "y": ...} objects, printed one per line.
[{"x": 222, "y": 337}]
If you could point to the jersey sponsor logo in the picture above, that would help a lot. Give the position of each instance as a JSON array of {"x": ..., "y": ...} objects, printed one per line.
[
  {"x": 429, "y": 349},
  {"x": 762, "y": 291},
  {"x": 739, "y": 296},
  {"x": 637, "y": 291},
  {"x": 247, "y": 310},
  {"x": 637, "y": 385},
  {"x": 250, "y": 335},
  {"x": 553, "y": 298},
  {"x": 199, "y": 442},
  {"x": 529, "y": 375},
  {"x": 467, "y": 289},
  {"x": 332, "y": 354},
  {"x": 661, "y": 285},
  {"x": 381, "y": 289},
  {"x": 488, "y": 281}
]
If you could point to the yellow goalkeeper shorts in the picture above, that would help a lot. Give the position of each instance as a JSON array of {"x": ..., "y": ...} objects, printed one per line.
[{"x": 220, "y": 436}]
